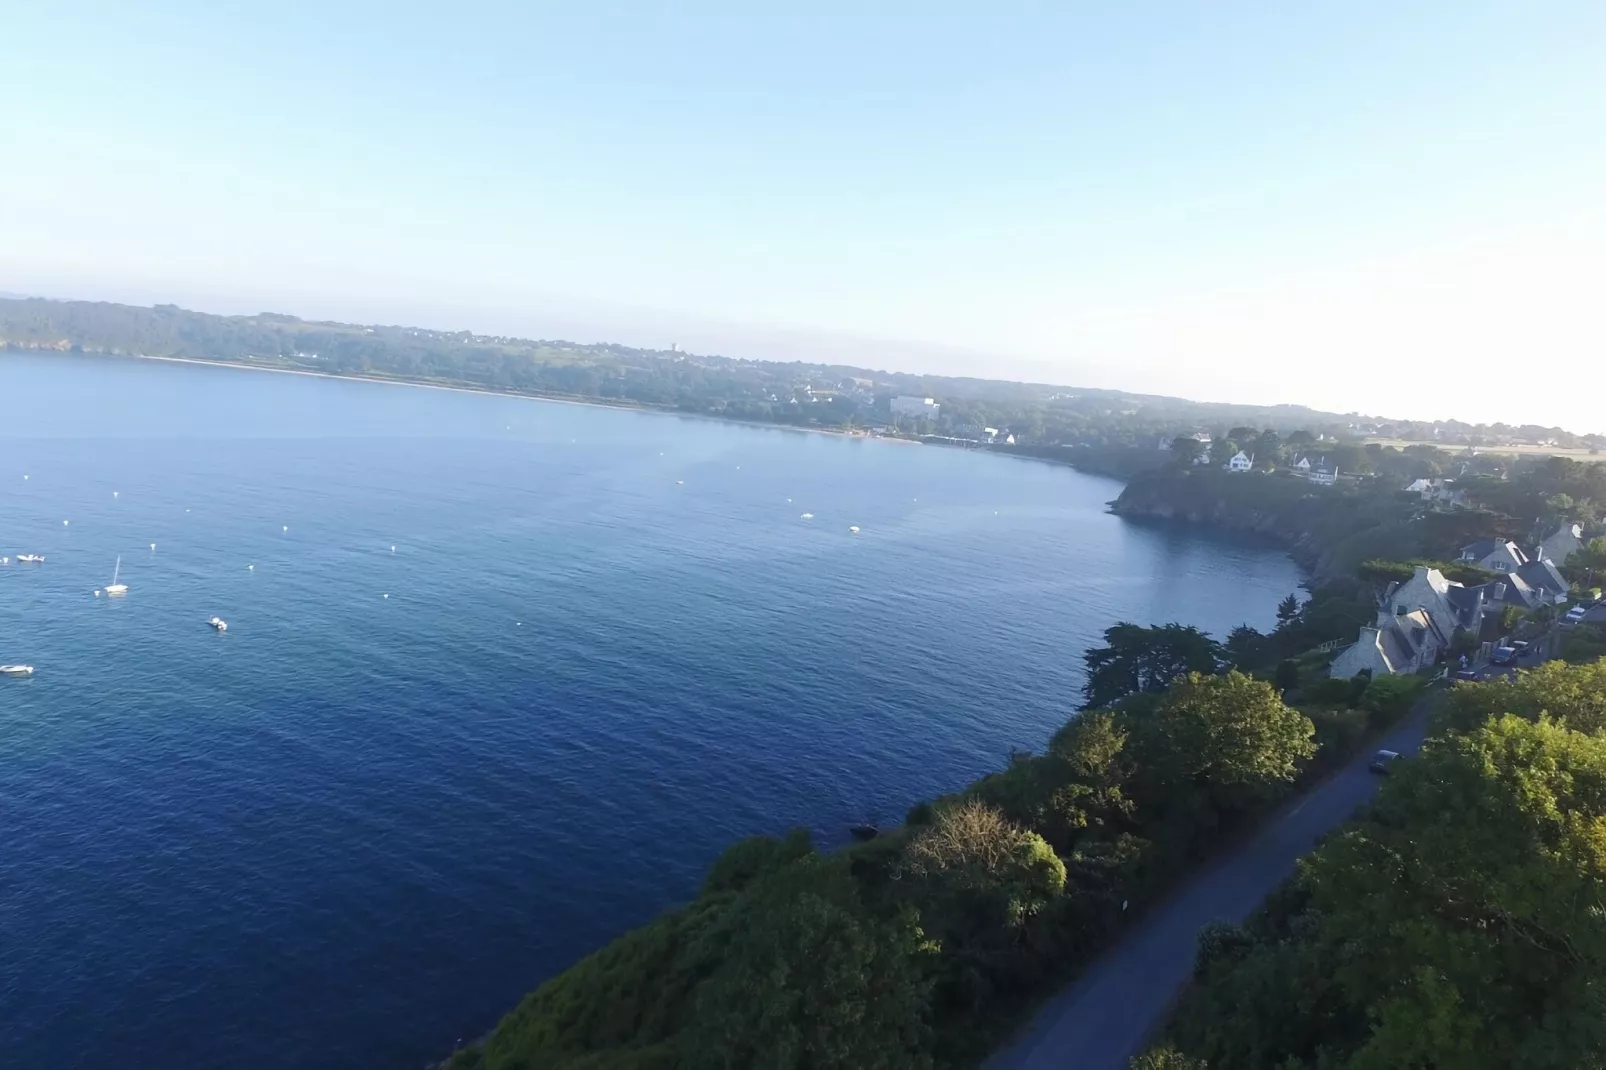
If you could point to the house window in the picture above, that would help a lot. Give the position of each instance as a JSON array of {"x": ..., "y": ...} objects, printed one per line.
[{"x": 1499, "y": 566}]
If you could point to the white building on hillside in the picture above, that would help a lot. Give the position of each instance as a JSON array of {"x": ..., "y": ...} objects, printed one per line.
[
  {"x": 1241, "y": 462},
  {"x": 916, "y": 408}
]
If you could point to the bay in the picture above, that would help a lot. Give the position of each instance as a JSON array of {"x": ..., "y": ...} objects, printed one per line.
[{"x": 354, "y": 828}]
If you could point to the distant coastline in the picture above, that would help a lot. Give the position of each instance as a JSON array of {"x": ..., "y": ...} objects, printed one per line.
[
  {"x": 625, "y": 405},
  {"x": 1115, "y": 463}
]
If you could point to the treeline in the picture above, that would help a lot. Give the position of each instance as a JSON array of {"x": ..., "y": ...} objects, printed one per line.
[
  {"x": 922, "y": 946},
  {"x": 824, "y": 394},
  {"x": 1459, "y": 922}
]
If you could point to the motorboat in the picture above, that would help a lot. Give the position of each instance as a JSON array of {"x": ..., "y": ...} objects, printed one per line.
[
  {"x": 30, "y": 559},
  {"x": 219, "y": 623},
  {"x": 16, "y": 670}
]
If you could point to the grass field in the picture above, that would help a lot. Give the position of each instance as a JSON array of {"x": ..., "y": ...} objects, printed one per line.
[{"x": 1526, "y": 451}]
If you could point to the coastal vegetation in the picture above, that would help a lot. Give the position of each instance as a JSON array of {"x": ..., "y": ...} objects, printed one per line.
[
  {"x": 1361, "y": 528},
  {"x": 1107, "y": 430},
  {"x": 1459, "y": 921},
  {"x": 920, "y": 947}
]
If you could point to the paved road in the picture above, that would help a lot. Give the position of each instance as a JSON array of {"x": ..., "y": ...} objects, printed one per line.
[{"x": 1102, "y": 1020}]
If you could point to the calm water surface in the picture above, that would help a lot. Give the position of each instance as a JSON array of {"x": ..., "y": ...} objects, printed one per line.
[{"x": 355, "y": 828}]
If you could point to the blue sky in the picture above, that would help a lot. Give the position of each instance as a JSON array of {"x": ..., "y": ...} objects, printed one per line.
[{"x": 1392, "y": 208}]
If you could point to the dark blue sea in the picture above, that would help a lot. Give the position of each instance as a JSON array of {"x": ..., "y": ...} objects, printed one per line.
[{"x": 501, "y": 677}]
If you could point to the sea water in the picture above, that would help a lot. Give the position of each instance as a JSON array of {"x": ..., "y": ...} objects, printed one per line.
[{"x": 500, "y": 679}]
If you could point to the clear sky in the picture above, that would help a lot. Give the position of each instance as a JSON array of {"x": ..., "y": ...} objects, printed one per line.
[{"x": 1397, "y": 208}]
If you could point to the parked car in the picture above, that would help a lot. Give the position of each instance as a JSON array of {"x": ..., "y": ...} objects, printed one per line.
[
  {"x": 1504, "y": 655},
  {"x": 1382, "y": 760},
  {"x": 1466, "y": 676}
]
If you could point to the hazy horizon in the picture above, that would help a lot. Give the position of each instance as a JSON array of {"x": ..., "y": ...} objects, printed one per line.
[{"x": 1349, "y": 207}]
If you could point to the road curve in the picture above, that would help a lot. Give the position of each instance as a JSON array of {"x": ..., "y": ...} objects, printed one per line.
[{"x": 1101, "y": 1021}]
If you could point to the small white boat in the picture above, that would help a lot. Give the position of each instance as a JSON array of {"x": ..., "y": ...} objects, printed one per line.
[
  {"x": 16, "y": 670},
  {"x": 30, "y": 559},
  {"x": 219, "y": 624},
  {"x": 808, "y": 516},
  {"x": 853, "y": 528},
  {"x": 115, "y": 588}
]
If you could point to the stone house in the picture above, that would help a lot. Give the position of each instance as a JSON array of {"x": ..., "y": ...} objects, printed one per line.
[
  {"x": 1416, "y": 622},
  {"x": 1561, "y": 544},
  {"x": 1495, "y": 555}
]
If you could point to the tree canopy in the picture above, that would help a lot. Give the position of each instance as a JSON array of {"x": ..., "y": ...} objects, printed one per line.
[
  {"x": 1459, "y": 922},
  {"x": 1135, "y": 659}
]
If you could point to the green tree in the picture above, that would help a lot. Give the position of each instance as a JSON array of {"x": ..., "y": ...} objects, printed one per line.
[
  {"x": 1135, "y": 659},
  {"x": 808, "y": 979},
  {"x": 1185, "y": 450},
  {"x": 1572, "y": 695},
  {"x": 1232, "y": 738},
  {"x": 1460, "y": 923},
  {"x": 1288, "y": 610}
]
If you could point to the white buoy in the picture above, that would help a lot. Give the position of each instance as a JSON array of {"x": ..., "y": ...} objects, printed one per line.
[
  {"x": 285, "y": 528},
  {"x": 114, "y": 494},
  {"x": 384, "y": 596},
  {"x": 97, "y": 594},
  {"x": 64, "y": 523},
  {"x": 393, "y": 549},
  {"x": 153, "y": 547},
  {"x": 250, "y": 568}
]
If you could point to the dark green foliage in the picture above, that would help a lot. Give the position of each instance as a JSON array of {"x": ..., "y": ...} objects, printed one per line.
[
  {"x": 1381, "y": 572},
  {"x": 1338, "y": 736},
  {"x": 1288, "y": 610},
  {"x": 1220, "y": 945},
  {"x": 745, "y": 860},
  {"x": 1584, "y": 644},
  {"x": 1573, "y": 695},
  {"x": 633, "y": 995},
  {"x": 1459, "y": 924},
  {"x": 807, "y": 979},
  {"x": 1136, "y": 659},
  {"x": 1166, "y": 1057},
  {"x": 1389, "y": 698},
  {"x": 1287, "y": 677}
]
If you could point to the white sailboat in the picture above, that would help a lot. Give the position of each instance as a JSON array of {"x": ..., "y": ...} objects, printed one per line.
[{"x": 115, "y": 588}]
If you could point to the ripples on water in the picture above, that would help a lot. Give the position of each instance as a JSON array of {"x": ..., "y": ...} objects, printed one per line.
[{"x": 355, "y": 828}]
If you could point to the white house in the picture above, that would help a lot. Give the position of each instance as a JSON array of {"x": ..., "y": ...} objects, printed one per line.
[
  {"x": 1324, "y": 477},
  {"x": 918, "y": 408},
  {"x": 1496, "y": 555},
  {"x": 1561, "y": 544},
  {"x": 1302, "y": 466},
  {"x": 1241, "y": 462}
]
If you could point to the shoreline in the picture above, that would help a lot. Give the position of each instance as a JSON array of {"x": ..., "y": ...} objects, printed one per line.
[{"x": 459, "y": 388}]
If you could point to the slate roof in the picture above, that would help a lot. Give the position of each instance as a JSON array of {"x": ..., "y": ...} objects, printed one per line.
[{"x": 1543, "y": 574}]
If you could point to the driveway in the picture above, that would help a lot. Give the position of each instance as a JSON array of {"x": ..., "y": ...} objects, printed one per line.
[{"x": 1102, "y": 1020}]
